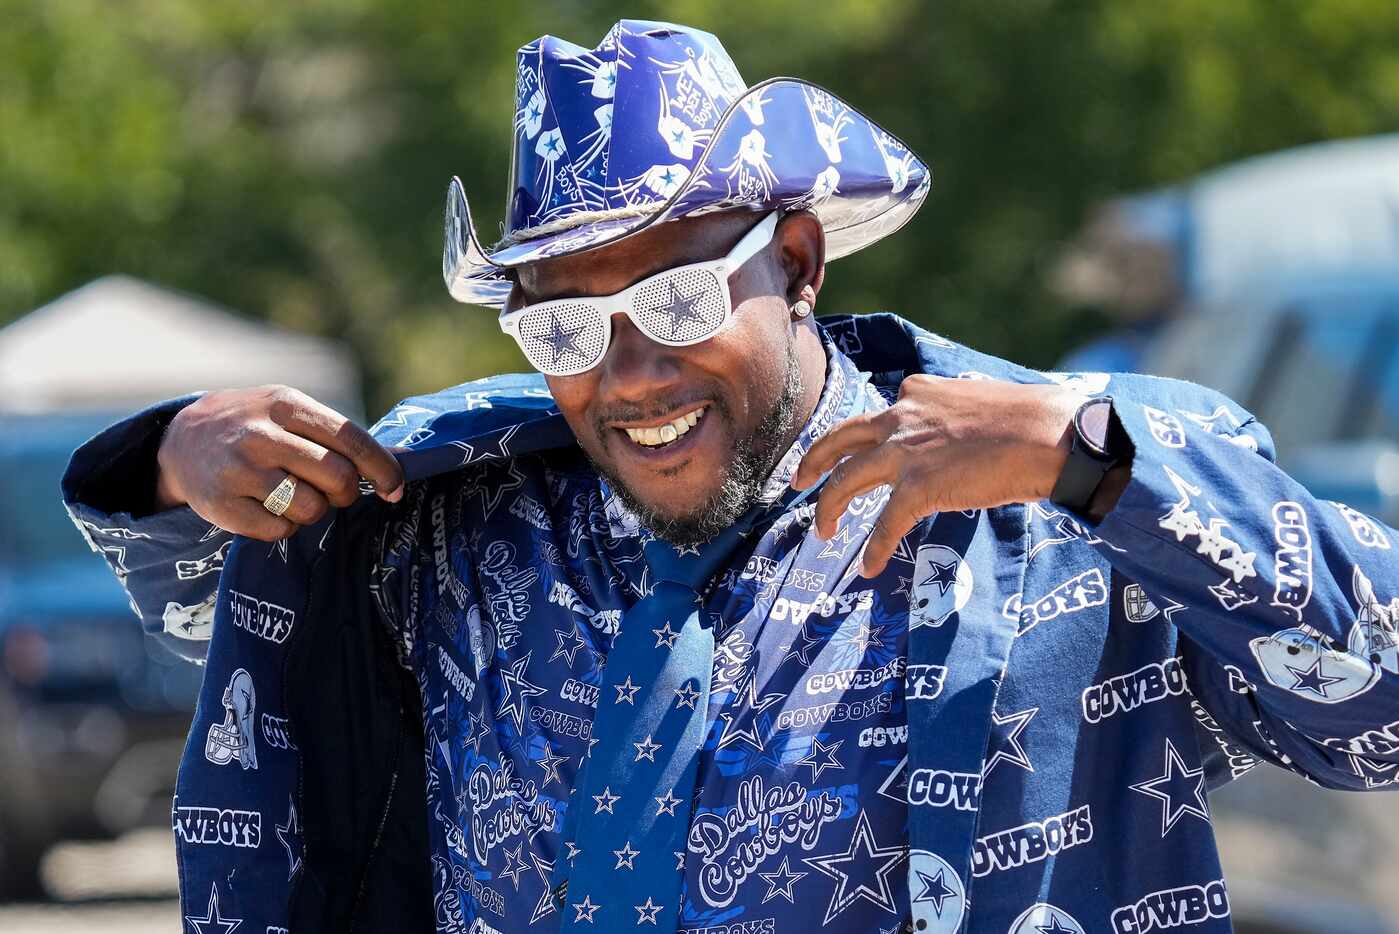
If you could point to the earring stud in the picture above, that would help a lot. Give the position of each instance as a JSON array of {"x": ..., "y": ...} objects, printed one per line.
[{"x": 802, "y": 308}]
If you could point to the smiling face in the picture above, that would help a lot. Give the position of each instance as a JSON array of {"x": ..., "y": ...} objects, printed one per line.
[{"x": 734, "y": 403}]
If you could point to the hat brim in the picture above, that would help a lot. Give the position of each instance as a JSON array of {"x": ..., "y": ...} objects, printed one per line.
[{"x": 784, "y": 143}]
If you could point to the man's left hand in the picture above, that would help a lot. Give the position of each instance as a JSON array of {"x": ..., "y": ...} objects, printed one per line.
[{"x": 946, "y": 444}]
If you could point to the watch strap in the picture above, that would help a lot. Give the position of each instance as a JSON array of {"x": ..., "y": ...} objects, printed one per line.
[{"x": 1091, "y": 455}]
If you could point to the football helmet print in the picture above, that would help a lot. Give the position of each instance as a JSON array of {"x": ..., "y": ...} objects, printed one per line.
[{"x": 234, "y": 736}]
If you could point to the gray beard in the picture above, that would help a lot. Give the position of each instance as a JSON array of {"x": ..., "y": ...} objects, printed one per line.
[{"x": 754, "y": 460}]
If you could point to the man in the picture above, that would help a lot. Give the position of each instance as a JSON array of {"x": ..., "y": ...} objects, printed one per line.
[{"x": 732, "y": 622}]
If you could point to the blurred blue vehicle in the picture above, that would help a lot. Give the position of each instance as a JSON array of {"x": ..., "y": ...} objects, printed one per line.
[
  {"x": 91, "y": 712},
  {"x": 1318, "y": 363},
  {"x": 93, "y": 715},
  {"x": 1325, "y": 211}
]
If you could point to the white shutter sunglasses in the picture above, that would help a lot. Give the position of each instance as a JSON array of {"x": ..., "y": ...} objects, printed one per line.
[{"x": 677, "y": 307}]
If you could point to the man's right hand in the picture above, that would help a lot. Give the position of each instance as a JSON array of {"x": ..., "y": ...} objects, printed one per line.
[{"x": 226, "y": 452}]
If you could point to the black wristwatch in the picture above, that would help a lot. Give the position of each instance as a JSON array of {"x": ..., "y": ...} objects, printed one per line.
[{"x": 1099, "y": 444}]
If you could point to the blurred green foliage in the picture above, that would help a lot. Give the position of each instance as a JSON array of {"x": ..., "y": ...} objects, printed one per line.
[{"x": 290, "y": 159}]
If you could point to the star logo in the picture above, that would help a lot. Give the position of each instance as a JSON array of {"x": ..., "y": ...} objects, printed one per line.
[
  {"x": 685, "y": 696},
  {"x": 863, "y": 638},
  {"x": 477, "y": 731},
  {"x": 1221, "y": 421},
  {"x": 646, "y": 749},
  {"x": 290, "y": 836},
  {"x": 646, "y": 914},
  {"x": 213, "y": 922},
  {"x": 1044, "y": 918},
  {"x": 573, "y": 852},
  {"x": 1009, "y": 740},
  {"x": 550, "y": 764},
  {"x": 729, "y": 735},
  {"x": 838, "y": 544},
  {"x": 665, "y": 636},
  {"x": 605, "y": 801},
  {"x": 935, "y": 890},
  {"x": 488, "y": 485},
  {"x": 822, "y": 757},
  {"x": 803, "y": 653},
  {"x": 895, "y": 785},
  {"x": 781, "y": 882},
  {"x": 1312, "y": 679},
  {"x": 665, "y": 804},
  {"x": 625, "y": 856},
  {"x": 517, "y": 691},
  {"x": 514, "y": 865},
  {"x": 545, "y": 905},
  {"x": 680, "y": 309},
  {"x": 569, "y": 643},
  {"x": 1054, "y": 927},
  {"x": 1180, "y": 790},
  {"x": 487, "y": 449},
  {"x": 944, "y": 576},
  {"x": 585, "y": 910},
  {"x": 1184, "y": 521},
  {"x": 117, "y": 558},
  {"x": 462, "y": 796},
  {"x": 626, "y": 692},
  {"x": 861, "y": 872}
]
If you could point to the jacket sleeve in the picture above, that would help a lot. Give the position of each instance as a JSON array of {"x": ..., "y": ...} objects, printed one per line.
[
  {"x": 169, "y": 562},
  {"x": 1286, "y": 604}
]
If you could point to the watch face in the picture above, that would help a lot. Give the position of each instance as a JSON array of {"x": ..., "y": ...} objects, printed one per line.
[{"x": 1091, "y": 424}]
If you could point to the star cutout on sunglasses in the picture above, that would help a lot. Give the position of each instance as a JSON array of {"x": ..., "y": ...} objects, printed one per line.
[
  {"x": 681, "y": 308},
  {"x": 561, "y": 340}
]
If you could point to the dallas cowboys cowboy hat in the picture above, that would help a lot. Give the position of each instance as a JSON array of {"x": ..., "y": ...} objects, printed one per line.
[{"x": 655, "y": 124}]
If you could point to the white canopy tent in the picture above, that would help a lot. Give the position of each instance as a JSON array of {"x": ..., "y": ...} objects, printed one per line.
[{"x": 118, "y": 344}]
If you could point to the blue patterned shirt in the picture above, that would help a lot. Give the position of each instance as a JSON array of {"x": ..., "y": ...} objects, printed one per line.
[{"x": 1011, "y": 730}]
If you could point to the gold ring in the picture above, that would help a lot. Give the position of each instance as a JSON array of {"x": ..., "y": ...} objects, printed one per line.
[{"x": 279, "y": 499}]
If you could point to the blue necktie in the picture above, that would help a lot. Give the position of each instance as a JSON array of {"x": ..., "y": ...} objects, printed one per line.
[{"x": 626, "y": 826}]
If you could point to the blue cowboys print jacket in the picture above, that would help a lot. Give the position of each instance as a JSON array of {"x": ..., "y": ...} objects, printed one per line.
[{"x": 1011, "y": 730}]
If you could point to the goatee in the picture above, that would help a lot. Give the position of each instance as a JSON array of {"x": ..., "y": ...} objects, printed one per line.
[{"x": 755, "y": 458}]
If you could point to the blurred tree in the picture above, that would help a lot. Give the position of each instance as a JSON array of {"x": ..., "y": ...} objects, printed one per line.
[{"x": 289, "y": 160}]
